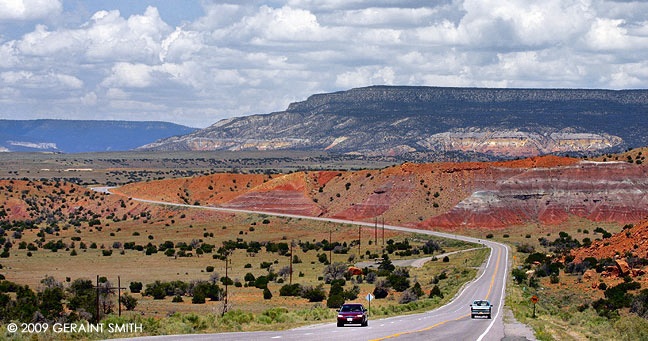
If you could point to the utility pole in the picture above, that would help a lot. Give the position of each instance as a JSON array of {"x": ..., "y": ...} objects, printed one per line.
[
  {"x": 291, "y": 259},
  {"x": 330, "y": 245},
  {"x": 98, "y": 288},
  {"x": 98, "y": 319},
  {"x": 376, "y": 232},
  {"x": 383, "y": 233},
  {"x": 227, "y": 265},
  {"x": 359, "y": 239},
  {"x": 119, "y": 293}
]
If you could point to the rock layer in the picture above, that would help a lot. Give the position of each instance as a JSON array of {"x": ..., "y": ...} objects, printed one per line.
[
  {"x": 595, "y": 191},
  {"x": 444, "y": 122}
]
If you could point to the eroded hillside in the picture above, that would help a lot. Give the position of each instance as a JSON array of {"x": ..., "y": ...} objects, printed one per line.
[{"x": 546, "y": 190}]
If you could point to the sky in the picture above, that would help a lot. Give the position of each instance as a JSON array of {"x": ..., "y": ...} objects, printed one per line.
[{"x": 198, "y": 62}]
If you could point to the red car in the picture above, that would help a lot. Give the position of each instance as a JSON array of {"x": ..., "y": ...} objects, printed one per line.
[{"x": 352, "y": 313}]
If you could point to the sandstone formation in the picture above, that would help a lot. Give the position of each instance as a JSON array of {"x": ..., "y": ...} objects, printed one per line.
[
  {"x": 544, "y": 190},
  {"x": 595, "y": 191},
  {"x": 447, "y": 123}
]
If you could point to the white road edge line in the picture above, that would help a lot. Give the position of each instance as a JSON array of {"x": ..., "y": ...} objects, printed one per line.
[{"x": 501, "y": 297}]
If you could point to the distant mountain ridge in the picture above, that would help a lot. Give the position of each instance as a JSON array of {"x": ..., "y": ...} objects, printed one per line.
[
  {"x": 78, "y": 136},
  {"x": 392, "y": 120}
]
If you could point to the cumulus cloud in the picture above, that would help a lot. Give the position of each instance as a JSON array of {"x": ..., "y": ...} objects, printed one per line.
[
  {"x": 249, "y": 57},
  {"x": 19, "y": 10}
]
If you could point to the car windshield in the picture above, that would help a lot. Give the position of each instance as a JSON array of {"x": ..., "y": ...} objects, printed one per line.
[
  {"x": 351, "y": 308},
  {"x": 481, "y": 303}
]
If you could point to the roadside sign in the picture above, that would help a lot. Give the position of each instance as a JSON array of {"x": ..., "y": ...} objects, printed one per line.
[
  {"x": 534, "y": 299},
  {"x": 369, "y": 297}
]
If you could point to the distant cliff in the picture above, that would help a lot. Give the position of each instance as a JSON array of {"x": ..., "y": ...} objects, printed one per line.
[
  {"x": 77, "y": 136},
  {"x": 393, "y": 120}
]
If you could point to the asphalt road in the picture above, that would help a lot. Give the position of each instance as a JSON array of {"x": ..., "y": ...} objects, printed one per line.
[
  {"x": 449, "y": 322},
  {"x": 414, "y": 262}
]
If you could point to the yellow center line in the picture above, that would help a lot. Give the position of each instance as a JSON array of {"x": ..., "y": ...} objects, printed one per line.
[
  {"x": 420, "y": 330},
  {"x": 494, "y": 273},
  {"x": 446, "y": 321}
]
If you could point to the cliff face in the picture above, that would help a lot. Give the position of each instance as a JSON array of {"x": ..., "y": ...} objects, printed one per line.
[
  {"x": 383, "y": 120},
  {"x": 613, "y": 191}
]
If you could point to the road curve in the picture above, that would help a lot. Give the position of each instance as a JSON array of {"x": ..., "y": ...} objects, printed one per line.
[
  {"x": 449, "y": 322},
  {"x": 414, "y": 262}
]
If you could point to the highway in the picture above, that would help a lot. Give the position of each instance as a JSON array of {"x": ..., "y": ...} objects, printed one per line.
[{"x": 449, "y": 322}]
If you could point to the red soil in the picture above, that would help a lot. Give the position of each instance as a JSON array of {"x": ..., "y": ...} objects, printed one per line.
[
  {"x": 546, "y": 190},
  {"x": 633, "y": 240}
]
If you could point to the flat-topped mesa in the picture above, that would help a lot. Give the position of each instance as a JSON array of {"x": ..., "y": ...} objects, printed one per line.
[
  {"x": 424, "y": 94},
  {"x": 439, "y": 123}
]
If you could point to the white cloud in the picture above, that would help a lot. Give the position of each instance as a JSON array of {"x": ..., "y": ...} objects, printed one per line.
[
  {"x": 15, "y": 10},
  {"x": 29, "y": 79},
  {"x": 129, "y": 75},
  {"x": 105, "y": 37},
  {"x": 364, "y": 76},
  {"x": 245, "y": 57}
]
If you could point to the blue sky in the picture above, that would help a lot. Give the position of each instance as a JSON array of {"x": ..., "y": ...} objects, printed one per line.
[{"x": 197, "y": 62}]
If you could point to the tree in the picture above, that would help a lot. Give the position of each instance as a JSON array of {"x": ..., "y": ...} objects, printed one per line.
[
  {"x": 129, "y": 301},
  {"x": 371, "y": 277},
  {"x": 386, "y": 264},
  {"x": 335, "y": 301},
  {"x": 352, "y": 293},
  {"x": 284, "y": 272},
  {"x": 519, "y": 275},
  {"x": 416, "y": 289},
  {"x": 51, "y": 302},
  {"x": 249, "y": 277},
  {"x": 408, "y": 296},
  {"x": 135, "y": 287},
  {"x": 267, "y": 294},
  {"x": 334, "y": 271},
  {"x": 436, "y": 292},
  {"x": 398, "y": 282},
  {"x": 198, "y": 298},
  {"x": 83, "y": 297},
  {"x": 382, "y": 289},
  {"x": 290, "y": 290},
  {"x": 314, "y": 294}
]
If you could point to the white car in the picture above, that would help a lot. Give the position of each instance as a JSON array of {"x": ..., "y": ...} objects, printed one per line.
[{"x": 481, "y": 308}]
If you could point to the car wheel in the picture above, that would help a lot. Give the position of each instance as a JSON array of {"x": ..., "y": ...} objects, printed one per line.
[
  {"x": 489, "y": 316},
  {"x": 366, "y": 323},
  {"x": 340, "y": 324},
  {"x": 472, "y": 316}
]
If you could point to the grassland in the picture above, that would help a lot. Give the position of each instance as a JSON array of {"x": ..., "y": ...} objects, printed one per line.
[{"x": 118, "y": 168}]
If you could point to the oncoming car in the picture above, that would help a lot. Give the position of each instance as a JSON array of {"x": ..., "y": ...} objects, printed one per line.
[
  {"x": 352, "y": 313},
  {"x": 480, "y": 308}
]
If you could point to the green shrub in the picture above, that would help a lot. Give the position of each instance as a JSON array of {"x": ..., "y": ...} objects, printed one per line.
[
  {"x": 266, "y": 293},
  {"x": 335, "y": 301},
  {"x": 436, "y": 292},
  {"x": 129, "y": 301},
  {"x": 290, "y": 290},
  {"x": 135, "y": 287},
  {"x": 314, "y": 294}
]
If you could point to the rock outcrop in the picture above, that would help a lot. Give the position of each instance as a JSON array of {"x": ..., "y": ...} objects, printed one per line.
[
  {"x": 400, "y": 120},
  {"x": 592, "y": 190},
  {"x": 544, "y": 190}
]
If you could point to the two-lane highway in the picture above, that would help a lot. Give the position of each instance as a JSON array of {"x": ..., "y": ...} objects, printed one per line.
[{"x": 449, "y": 322}]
